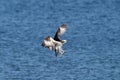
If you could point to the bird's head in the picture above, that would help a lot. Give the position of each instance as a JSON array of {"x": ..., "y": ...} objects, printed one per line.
[{"x": 63, "y": 41}]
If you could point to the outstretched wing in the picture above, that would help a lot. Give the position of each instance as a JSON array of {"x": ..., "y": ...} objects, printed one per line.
[{"x": 61, "y": 30}]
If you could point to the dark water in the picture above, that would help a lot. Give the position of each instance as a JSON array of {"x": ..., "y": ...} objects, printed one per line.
[{"x": 92, "y": 51}]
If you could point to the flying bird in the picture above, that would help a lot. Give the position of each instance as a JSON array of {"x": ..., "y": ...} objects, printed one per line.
[{"x": 56, "y": 43}]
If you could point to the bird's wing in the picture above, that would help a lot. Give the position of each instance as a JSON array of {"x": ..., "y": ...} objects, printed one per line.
[
  {"x": 48, "y": 43},
  {"x": 61, "y": 30}
]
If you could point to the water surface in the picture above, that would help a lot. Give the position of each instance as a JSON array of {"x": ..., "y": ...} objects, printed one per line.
[{"x": 92, "y": 51}]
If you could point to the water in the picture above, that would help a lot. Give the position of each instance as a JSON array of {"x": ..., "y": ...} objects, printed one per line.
[{"x": 92, "y": 51}]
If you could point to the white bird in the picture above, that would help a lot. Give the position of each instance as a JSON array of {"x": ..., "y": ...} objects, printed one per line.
[{"x": 56, "y": 44}]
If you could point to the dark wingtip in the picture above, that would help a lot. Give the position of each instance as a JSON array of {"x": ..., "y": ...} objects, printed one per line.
[
  {"x": 43, "y": 44},
  {"x": 56, "y": 52}
]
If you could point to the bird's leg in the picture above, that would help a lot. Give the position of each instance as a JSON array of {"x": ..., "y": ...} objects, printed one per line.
[
  {"x": 56, "y": 51},
  {"x": 61, "y": 50}
]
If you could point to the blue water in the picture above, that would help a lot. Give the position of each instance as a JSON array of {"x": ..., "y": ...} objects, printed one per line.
[{"x": 92, "y": 51}]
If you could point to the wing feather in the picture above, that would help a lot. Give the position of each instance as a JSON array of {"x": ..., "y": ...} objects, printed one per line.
[{"x": 61, "y": 30}]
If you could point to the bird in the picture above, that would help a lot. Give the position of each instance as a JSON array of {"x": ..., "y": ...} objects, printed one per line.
[{"x": 56, "y": 43}]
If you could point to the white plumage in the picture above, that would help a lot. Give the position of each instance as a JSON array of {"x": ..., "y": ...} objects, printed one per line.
[{"x": 56, "y": 44}]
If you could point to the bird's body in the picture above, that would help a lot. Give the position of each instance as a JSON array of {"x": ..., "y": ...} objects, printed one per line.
[{"x": 56, "y": 44}]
